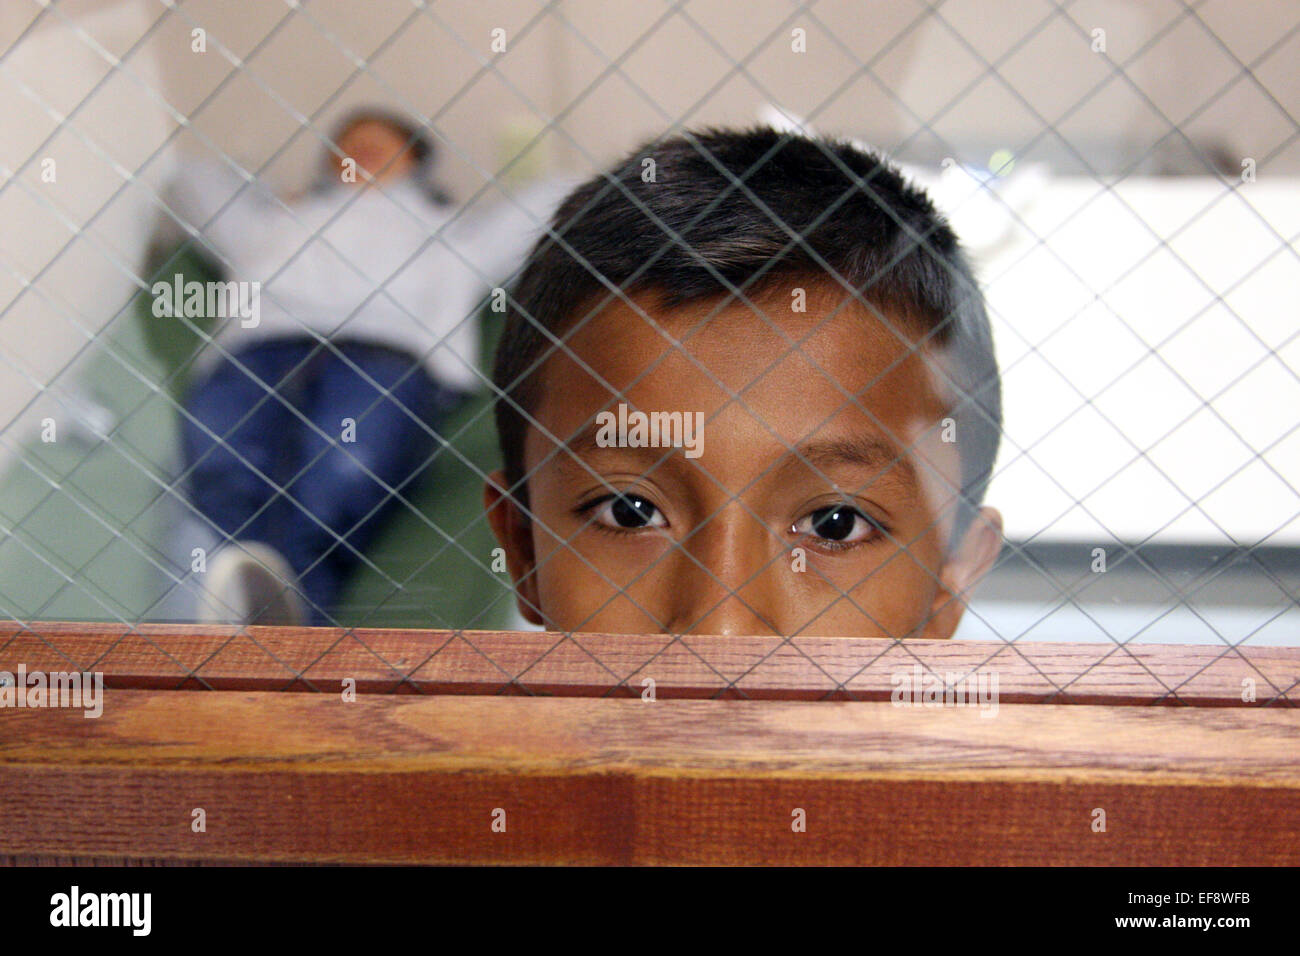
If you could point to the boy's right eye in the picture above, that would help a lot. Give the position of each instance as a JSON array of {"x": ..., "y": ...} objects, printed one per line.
[{"x": 628, "y": 513}]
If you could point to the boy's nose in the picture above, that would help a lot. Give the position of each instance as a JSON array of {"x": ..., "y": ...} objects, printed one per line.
[{"x": 729, "y": 573}]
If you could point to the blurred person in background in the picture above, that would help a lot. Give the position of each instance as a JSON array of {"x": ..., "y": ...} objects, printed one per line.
[{"x": 317, "y": 403}]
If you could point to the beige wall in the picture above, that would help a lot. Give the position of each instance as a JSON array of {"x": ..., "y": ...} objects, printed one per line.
[
  {"x": 673, "y": 67},
  {"x": 678, "y": 68}
]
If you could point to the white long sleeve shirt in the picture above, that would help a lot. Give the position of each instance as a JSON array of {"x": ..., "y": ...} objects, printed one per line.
[{"x": 387, "y": 267}]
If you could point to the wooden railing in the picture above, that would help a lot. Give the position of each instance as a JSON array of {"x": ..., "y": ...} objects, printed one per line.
[{"x": 539, "y": 748}]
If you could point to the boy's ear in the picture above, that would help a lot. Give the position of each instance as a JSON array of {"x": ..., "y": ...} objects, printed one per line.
[
  {"x": 972, "y": 559},
  {"x": 510, "y": 525}
]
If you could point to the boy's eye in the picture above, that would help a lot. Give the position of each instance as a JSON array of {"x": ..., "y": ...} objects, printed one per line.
[
  {"x": 838, "y": 523},
  {"x": 629, "y": 512}
]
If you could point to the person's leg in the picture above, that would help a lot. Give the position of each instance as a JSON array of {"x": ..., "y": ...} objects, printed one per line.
[
  {"x": 238, "y": 444},
  {"x": 340, "y": 497},
  {"x": 234, "y": 438}
]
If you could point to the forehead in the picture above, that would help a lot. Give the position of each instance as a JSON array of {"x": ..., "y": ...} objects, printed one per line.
[
  {"x": 372, "y": 127},
  {"x": 761, "y": 372}
]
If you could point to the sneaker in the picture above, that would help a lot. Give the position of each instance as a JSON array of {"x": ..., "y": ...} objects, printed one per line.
[{"x": 251, "y": 583}]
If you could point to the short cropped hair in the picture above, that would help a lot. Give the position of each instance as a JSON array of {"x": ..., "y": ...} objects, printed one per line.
[{"x": 805, "y": 206}]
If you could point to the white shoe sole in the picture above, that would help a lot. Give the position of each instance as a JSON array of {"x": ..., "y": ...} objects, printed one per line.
[{"x": 251, "y": 583}]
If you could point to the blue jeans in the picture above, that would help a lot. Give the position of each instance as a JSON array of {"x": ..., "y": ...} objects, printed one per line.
[{"x": 269, "y": 476}]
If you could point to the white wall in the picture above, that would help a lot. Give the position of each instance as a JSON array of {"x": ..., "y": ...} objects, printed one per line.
[{"x": 83, "y": 234}]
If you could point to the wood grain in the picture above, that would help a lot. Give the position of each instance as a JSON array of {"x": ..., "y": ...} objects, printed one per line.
[
  {"x": 585, "y": 665},
  {"x": 397, "y": 778}
]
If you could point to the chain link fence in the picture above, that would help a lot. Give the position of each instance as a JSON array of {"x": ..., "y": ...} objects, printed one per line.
[{"x": 1124, "y": 177}]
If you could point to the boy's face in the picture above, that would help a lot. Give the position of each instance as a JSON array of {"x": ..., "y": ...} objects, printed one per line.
[{"x": 702, "y": 541}]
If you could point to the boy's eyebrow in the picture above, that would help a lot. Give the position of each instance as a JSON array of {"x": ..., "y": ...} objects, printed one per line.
[
  {"x": 585, "y": 443},
  {"x": 863, "y": 451}
]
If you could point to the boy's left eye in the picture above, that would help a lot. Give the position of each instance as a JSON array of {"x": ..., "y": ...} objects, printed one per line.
[
  {"x": 628, "y": 512},
  {"x": 839, "y": 524}
]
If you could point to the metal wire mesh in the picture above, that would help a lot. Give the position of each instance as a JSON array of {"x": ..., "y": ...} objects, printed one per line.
[{"x": 1126, "y": 178}]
